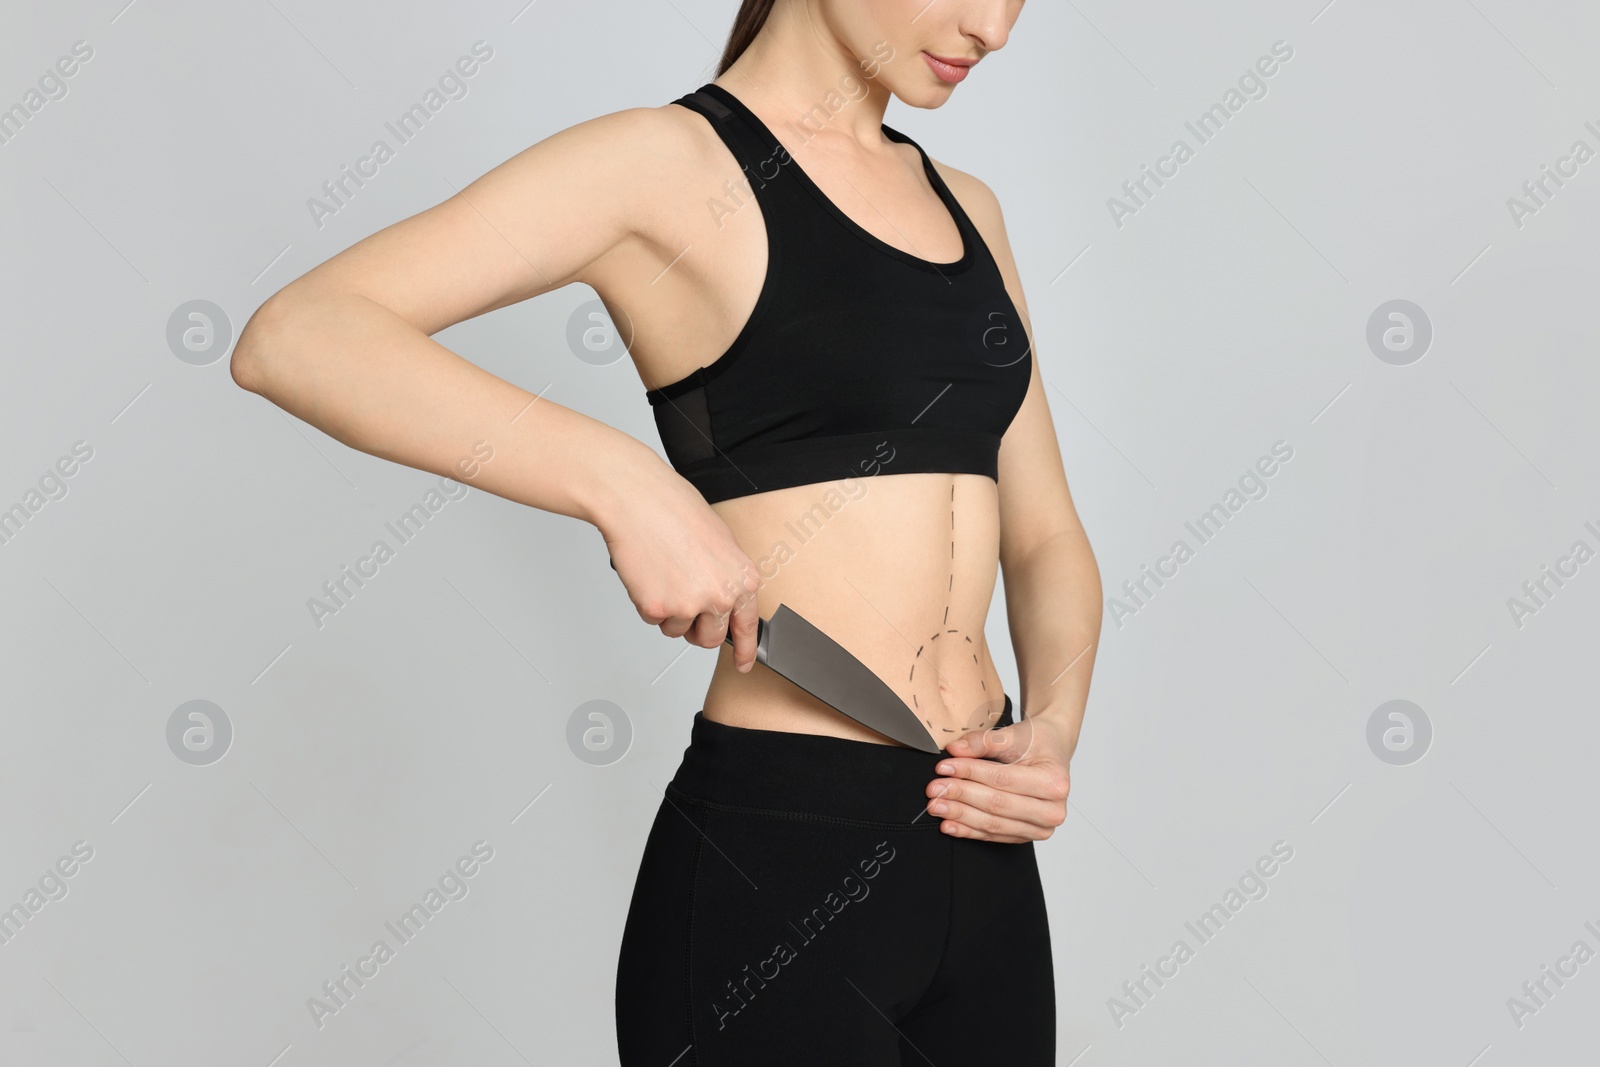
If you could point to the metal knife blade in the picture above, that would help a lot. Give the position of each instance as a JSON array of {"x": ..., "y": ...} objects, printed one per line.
[{"x": 792, "y": 647}]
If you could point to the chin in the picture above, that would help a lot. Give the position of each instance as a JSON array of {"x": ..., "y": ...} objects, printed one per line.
[{"x": 930, "y": 94}]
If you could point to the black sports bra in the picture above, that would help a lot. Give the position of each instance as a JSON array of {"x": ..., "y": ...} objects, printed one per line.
[{"x": 858, "y": 358}]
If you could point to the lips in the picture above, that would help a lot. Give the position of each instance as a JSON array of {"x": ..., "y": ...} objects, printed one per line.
[{"x": 949, "y": 69}]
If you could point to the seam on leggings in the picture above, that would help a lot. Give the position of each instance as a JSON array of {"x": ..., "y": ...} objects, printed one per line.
[
  {"x": 688, "y": 948},
  {"x": 949, "y": 925},
  {"x": 803, "y": 816}
]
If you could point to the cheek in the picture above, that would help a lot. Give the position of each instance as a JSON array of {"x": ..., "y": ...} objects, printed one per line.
[{"x": 882, "y": 33}]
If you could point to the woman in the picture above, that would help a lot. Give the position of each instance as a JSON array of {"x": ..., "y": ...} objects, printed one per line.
[{"x": 834, "y": 342}]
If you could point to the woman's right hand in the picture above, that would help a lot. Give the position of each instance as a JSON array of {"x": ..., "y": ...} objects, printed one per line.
[{"x": 681, "y": 566}]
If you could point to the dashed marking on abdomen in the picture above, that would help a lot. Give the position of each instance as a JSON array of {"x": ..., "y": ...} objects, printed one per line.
[{"x": 982, "y": 719}]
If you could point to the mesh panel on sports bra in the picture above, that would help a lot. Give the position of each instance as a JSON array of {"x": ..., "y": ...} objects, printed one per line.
[{"x": 684, "y": 422}]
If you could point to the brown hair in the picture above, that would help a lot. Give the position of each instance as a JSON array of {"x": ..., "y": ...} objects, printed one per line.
[{"x": 746, "y": 24}]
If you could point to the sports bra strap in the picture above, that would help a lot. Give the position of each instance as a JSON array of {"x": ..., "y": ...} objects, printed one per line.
[{"x": 761, "y": 161}]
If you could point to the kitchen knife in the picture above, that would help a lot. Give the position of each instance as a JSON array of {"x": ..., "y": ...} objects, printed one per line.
[
  {"x": 797, "y": 650},
  {"x": 790, "y": 646}
]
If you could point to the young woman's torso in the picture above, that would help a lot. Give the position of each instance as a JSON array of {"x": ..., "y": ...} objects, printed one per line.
[{"x": 899, "y": 568}]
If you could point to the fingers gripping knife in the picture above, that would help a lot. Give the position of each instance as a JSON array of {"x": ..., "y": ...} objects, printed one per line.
[{"x": 790, "y": 646}]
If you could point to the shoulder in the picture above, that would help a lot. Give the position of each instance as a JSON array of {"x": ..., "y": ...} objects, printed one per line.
[
  {"x": 656, "y": 148},
  {"x": 633, "y": 165},
  {"x": 983, "y": 208},
  {"x": 976, "y": 198},
  {"x": 632, "y": 135}
]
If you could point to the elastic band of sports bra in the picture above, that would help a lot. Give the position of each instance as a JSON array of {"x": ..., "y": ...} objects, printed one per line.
[{"x": 810, "y": 460}]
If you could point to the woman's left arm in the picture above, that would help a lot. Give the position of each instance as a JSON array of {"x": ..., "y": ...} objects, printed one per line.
[{"x": 1011, "y": 784}]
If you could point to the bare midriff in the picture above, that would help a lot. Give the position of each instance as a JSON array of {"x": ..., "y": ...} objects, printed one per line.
[{"x": 899, "y": 569}]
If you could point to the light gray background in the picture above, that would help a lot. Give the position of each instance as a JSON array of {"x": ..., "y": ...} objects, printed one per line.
[{"x": 1229, "y": 713}]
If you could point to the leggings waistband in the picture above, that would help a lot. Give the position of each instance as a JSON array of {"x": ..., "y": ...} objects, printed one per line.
[{"x": 808, "y": 774}]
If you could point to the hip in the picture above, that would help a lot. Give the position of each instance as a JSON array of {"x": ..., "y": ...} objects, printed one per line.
[{"x": 780, "y": 864}]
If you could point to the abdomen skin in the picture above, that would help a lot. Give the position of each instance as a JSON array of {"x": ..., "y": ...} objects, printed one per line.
[{"x": 899, "y": 569}]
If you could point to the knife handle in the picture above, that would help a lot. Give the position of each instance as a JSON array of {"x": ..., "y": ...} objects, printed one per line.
[
  {"x": 761, "y": 639},
  {"x": 761, "y": 628}
]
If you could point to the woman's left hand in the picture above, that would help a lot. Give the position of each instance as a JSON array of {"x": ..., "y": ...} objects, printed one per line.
[{"x": 1007, "y": 785}]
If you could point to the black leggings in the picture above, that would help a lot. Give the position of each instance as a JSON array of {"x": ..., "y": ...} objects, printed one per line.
[{"x": 796, "y": 904}]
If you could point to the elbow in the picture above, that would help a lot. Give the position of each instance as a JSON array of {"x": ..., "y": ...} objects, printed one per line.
[
  {"x": 256, "y": 344},
  {"x": 243, "y": 366}
]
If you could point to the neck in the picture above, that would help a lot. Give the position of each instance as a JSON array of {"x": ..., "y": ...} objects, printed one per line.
[{"x": 800, "y": 79}]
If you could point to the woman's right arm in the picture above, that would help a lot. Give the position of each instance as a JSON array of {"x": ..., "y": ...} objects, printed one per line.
[{"x": 348, "y": 348}]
